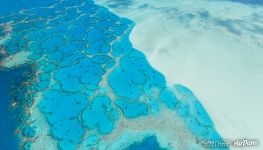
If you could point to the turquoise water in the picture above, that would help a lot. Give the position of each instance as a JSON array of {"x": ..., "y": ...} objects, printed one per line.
[
  {"x": 2, "y": 33},
  {"x": 89, "y": 76}
]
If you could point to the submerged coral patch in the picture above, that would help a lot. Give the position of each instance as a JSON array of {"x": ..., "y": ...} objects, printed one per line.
[
  {"x": 131, "y": 109},
  {"x": 100, "y": 115}
]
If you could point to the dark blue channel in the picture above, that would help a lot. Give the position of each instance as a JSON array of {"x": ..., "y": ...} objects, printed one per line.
[
  {"x": 149, "y": 143},
  {"x": 8, "y": 78}
]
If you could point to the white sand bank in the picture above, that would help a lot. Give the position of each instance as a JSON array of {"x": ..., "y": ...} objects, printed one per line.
[
  {"x": 129, "y": 131},
  {"x": 15, "y": 60},
  {"x": 213, "y": 48}
]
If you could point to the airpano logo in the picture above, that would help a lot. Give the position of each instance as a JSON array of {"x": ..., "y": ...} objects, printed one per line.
[
  {"x": 245, "y": 142},
  {"x": 222, "y": 143}
]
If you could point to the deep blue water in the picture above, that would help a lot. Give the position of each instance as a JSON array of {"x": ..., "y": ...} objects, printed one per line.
[
  {"x": 8, "y": 140},
  {"x": 149, "y": 143}
]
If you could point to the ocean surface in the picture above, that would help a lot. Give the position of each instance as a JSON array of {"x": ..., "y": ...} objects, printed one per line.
[
  {"x": 8, "y": 139},
  {"x": 91, "y": 89}
]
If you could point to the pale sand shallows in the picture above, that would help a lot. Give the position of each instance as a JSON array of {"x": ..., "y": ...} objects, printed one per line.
[
  {"x": 7, "y": 27},
  {"x": 15, "y": 60},
  {"x": 214, "y": 48},
  {"x": 128, "y": 131},
  {"x": 44, "y": 139}
]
